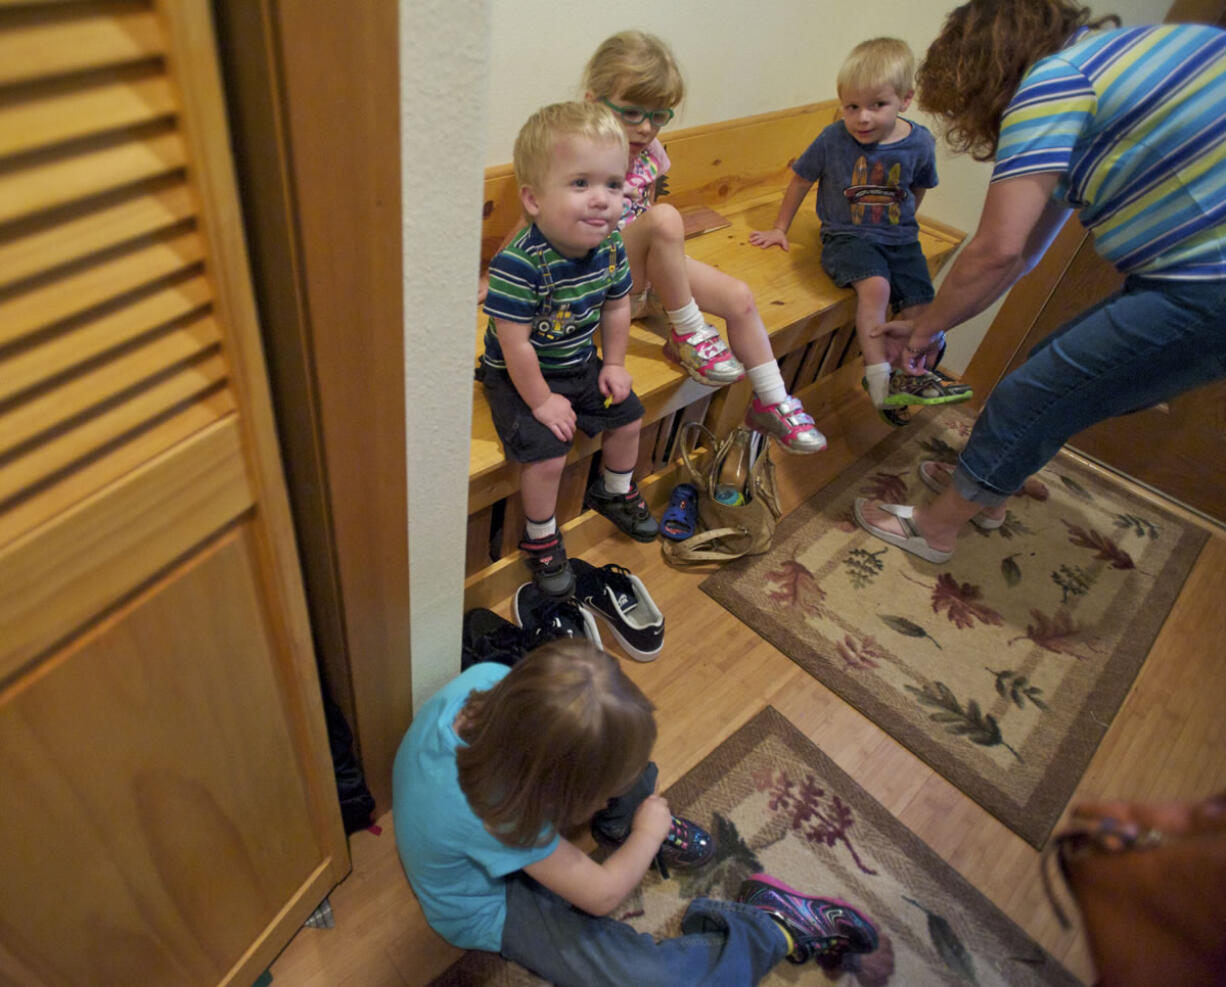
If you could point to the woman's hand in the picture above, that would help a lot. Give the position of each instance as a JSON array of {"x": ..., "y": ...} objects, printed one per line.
[
  {"x": 769, "y": 238},
  {"x": 908, "y": 349}
]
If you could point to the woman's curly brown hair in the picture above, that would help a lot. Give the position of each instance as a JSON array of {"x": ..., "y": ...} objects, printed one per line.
[{"x": 976, "y": 63}]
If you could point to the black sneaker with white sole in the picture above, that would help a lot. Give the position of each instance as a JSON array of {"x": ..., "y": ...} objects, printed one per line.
[
  {"x": 619, "y": 598},
  {"x": 546, "y": 618}
]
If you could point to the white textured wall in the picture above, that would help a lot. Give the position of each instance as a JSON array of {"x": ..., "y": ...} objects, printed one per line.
[
  {"x": 444, "y": 58},
  {"x": 738, "y": 59}
]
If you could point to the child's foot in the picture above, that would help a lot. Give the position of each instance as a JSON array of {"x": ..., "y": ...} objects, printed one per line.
[
  {"x": 937, "y": 476},
  {"x": 628, "y": 511},
  {"x": 788, "y": 422},
  {"x": 822, "y": 927},
  {"x": 686, "y": 846},
  {"x": 704, "y": 356},
  {"x": 894, "y": 417},
  {"x": 930, "y": 388},
  {"x": 546, "y": 560}
]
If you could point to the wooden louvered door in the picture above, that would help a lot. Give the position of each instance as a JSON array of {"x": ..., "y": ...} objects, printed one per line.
[{"x": 167, "y": 808}]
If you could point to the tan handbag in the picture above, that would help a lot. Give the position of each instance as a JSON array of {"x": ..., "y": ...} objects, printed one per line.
[{"x": 726, "y": 531}]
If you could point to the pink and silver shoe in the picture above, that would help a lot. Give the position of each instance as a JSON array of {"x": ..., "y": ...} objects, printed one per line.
[
  {"x": 788, "y": 422},
  {"x": 704, "y": 356}
]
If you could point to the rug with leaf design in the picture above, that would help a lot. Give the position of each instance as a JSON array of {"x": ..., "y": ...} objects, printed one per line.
[
  {"x": 1001, "y": 668},
  {"x": 776, "y": 803}
]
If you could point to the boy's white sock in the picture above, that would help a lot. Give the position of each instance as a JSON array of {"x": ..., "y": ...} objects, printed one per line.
[
  {"x": 877, "y": 380},
  {"x": 686, "y": 319},
  {"x": 617, "y": 483},
  {"x": 540, "y": 529},
  {"x": 767, "y": 382}
]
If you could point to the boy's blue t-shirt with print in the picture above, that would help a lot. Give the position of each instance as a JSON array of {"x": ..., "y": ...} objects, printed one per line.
[
  {"x": 457, "y": 868},
  {"x": 865, "y": 189}
]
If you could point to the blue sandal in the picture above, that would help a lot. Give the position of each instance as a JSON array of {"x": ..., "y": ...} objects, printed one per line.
[{"x": 681, "y": 515}]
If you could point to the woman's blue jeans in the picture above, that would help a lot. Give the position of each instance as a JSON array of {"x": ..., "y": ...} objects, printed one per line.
[{"x": 1147, "y": 343}]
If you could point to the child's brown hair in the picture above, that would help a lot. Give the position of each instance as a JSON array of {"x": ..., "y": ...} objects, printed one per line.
[
  {"x": 878, "y": 62},
  {"x": 976, "y": 63},
  {"x": 562, "y": 732},
  {"x": 535, "y": 141},
  {"x": 638, "y": 67}
]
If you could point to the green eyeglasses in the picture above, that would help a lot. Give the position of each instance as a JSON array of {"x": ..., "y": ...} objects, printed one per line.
[{"x": 635, "y": 115}]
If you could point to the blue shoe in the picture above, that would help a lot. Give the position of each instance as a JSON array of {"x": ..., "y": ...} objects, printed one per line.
[{"x": 824, "y": 928}]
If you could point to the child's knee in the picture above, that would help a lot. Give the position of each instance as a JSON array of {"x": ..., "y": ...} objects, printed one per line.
[
  {"x": 742, "y": 300},
  {"x": 666, "y": 223},
  {"x": 543, "y": 471}
]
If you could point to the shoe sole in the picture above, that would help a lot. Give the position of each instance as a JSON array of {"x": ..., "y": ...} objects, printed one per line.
[
  {"x": 626, "y": 646},
  {"x": 786, "y": 448},
  {"x": 908, "y": 400},
  {"x": 979, "y": 521},
  {"x": 914, "y": 544},
  {"x": 590, "y": 505}
]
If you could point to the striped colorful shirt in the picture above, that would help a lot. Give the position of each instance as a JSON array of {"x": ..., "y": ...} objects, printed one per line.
[
  {"x": 1132, "y": 121},
  {"x": 560, "y": 297}
]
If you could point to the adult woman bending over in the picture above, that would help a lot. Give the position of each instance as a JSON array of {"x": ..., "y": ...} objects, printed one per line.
[{"x": 1123, "y": 125}]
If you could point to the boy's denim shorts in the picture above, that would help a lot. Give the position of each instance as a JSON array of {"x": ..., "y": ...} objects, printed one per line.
[
  {"x": 848, "y": 259},
  {"x": 524, "y": 439}
]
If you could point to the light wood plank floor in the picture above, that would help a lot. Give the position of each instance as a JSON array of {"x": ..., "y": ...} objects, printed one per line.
[{"x": 1166, "y": 742}]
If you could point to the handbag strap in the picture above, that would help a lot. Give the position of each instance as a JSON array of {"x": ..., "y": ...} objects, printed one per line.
[
  {"x": 690, "y": 432},
  {"x": 691, "y": 552}
]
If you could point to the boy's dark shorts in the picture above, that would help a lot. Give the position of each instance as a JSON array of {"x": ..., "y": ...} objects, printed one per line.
[
  {"x": 848, "y": 259},
  {"x": 524, "y": 439}
]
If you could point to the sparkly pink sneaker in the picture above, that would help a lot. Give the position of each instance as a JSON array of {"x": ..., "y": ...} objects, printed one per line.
[
  {"x": 788, "y": 422},
  {"x": 704, "y": 356}
]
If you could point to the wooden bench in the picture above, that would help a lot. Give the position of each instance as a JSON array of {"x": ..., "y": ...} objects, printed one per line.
[{"x": 740, "y": 169}]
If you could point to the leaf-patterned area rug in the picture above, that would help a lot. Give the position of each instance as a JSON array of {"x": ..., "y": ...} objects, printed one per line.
[
  {"x": 776, "y": 803},
  {"x": 1001, "y": 668}
]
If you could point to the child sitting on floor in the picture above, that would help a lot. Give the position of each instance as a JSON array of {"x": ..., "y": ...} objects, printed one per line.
[
  {"x": 872, "y": 170},
  {"x": 559, "y": 280},
  {"x": 636, "y": 76},
  {"x": 500, "y": 762}
]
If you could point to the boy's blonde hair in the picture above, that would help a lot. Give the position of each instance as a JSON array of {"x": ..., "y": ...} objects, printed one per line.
[
  {"x": 550, "y": 743},
  {"x": 638, "y": 67},
  {"x": 878, "y": 62},
  {"x": 534, "y": 144}
]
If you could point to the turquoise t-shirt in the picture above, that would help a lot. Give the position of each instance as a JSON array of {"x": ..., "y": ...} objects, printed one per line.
[{"x": 457, "y": 868}]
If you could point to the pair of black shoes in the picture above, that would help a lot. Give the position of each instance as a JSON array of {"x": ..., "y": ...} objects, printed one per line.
[{"x": 538, "y": 618}]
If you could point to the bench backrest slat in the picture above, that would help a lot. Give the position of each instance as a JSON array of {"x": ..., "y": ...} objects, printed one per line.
[{"x": 740, "y": 159}]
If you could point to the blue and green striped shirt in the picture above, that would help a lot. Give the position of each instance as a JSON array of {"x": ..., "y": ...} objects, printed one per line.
[
  {"x": 560, "y": 297},
  {"x": 1132, "y": 120}
]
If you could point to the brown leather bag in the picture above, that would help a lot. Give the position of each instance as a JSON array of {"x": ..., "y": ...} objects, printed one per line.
[
  {"x": 726, "y": 531},
  {"x": 1150, "y": 881}
]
